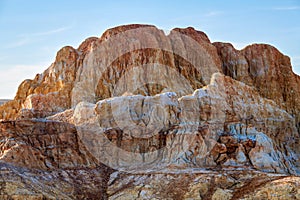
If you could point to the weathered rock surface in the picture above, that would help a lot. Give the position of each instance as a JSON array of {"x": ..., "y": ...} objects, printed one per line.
[
  {"x": 138, "y": 114},
  {"x": 216, "y": 185},
  {"x": 42, "y": 145},
  {"x": 50, "y": 92},
  {"x": 81, "y": 183},
  {"x": 138, "y": 59},
  {"x": 268, "y": 70},
  {"x": 227, "y": 123}
]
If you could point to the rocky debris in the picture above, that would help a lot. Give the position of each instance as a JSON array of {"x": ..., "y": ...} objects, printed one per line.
[
  {"x": 233, "y": 150},
  {"x": 284, "y": 188},
  {"x": 222, "y": 194},
  {"x": 45, "y": 160},
  {"x": 100, "y": 183},
  {"x": 177, "y": 116},
  {"x": 25, "y": 183},
  {"x": 195, "y": 184}
]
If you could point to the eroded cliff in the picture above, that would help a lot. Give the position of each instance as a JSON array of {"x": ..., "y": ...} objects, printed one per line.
[{"x": 137, "y": 107}]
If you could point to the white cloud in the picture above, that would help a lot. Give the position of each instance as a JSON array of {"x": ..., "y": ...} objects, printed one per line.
[{"x": 29, "y": 38}]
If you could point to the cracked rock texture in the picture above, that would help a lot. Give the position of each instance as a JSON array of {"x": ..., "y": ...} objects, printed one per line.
[{"x": 138, "y": 114}]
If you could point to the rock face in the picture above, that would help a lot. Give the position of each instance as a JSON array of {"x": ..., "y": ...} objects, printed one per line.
[
  {"x": 138, "y": 114},
  {"x": 42, "y": 145},
  {"x": 265, "y": 68},
  {"x": 211, "y": 127},
  {"x": 45, "y": 160}
]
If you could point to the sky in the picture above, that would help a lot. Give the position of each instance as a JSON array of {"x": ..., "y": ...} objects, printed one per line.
[{"x": 32, "y": 31}]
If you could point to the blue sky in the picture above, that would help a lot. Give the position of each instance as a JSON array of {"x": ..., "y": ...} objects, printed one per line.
[{"x": 32, "y": 31}]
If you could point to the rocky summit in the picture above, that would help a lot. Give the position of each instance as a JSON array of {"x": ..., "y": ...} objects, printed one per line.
[{"x": 141, "y": 114}]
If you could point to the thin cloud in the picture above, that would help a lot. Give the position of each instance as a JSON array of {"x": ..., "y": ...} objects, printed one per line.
[
  {"x": 51, "y": 32},
  {"x": 48, "y": 32},
  {"x": 18, "y": 43},
  {"x": 213, "y": 13},
  {"x": 26, "y": 39},
  {"x": 3, "y": 58},
  {"x": 286, "y": 8}
]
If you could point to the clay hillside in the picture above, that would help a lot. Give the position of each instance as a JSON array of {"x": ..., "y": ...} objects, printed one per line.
[{"x": 141, "y": 114}]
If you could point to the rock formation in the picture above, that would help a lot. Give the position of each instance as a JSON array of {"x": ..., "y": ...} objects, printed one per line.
[
  {"x": 265, "y": 68},
  {"x": 138, "y": 114}
]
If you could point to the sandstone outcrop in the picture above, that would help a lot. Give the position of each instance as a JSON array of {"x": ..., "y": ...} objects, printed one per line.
[
  {"x": 42, "y": 145},
  {"x": 138, "y": 114},
  {"x": 268, "y": 70},
  {"x": 50, "y": 92},
  {"x": 227, "y": 123},
  {"x": 83, "y": 75}
]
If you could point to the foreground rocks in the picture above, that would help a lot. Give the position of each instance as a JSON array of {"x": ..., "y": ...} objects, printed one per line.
[
  {"x": 217, "y": 185},
  {"x": 137, "y": 114},
  {"x": 22, "y": 183}
]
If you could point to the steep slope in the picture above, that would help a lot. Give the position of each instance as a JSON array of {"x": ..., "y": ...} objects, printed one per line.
[
  {"x": 268, "y": 70},
  {"x": 49, "y": 92}
]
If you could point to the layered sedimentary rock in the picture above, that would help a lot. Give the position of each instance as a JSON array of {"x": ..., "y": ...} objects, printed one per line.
[
  {"x": 138, "y": 59},
  {"x": 137, "y": 108},
  {"x": 221, "y": 185},
  {"x": 268, "y": 70},
  {"x": 42, "y": 145},
  {"x": 50, "y": 92},
  {"x": 227, "y": 123},
  {"x": 45, "y": 160}
]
